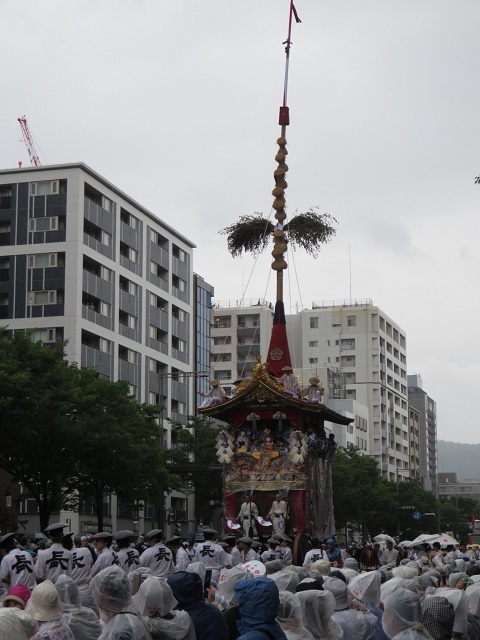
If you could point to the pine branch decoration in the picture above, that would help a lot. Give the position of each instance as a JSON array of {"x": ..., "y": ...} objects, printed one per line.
[
  {"x": 251, "y": 233},
  {"x": 310, "y": 231}
]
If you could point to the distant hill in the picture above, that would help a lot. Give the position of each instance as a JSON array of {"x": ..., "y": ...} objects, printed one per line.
[{"x": 459, "y": 458}]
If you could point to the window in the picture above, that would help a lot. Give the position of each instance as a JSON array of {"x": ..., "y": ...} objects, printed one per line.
[
  {"x": 42, "y": 260},
  {"x": 97, "y": 233},
  {"x": 179, "y": 314},
  {"x": 47, "y": 335},
  {"x": 128, "y": 252},
  {"x": 313, "y": 343},
  {"x": 5, "y": 196},
  {"x": 44, "y": 224},
  {"x": 313, "y": 360},
  {"x": 156, "y": 333},
  {"x": 179, "y": 283},
  {"x": 129, "y": 219},
  {"x": 153, "y": 398},
  {"x": 158, "y": 302},
  {"x": 313, "y": 323},
  {"x": 127, "y": 320},
  {"x": 129, "y": 286},
  {"x": 222, "y": 340},
  {"x": 179, "y": 253},
  {"x": 157, "y": 238},
  {"x": 179, "y": 345},
  {"x": 42, "y": 297},
  {"x": 132, "y": 390},
  {"x": 157, "y": 270},
  {"x": 45, "y": 188},
  {"x": 127, "y": 354},
  {"x": 351, "y": 321},
  {"x": 105, "y": 345},
  {"x": 105, "y": 309}
]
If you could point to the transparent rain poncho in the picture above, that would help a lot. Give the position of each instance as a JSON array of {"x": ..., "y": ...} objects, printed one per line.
[
  {"x": 16, "y": 624},
  {"x": 285, "y": 580},
  {"x": 390, "y": 586},
  {"x": 366, "y": 587},
  {"x": 82, "y": 621},
  {"x": 473, "y": 594},
  {"x": 460, "y": 604},
  {"x": 228, "y": 579},
  {"x": 402, "y": 616},
  {"x": 111, "y": 591},
  {"x": 155, "y": 600},
  {"x": 290, "y": 617},
  {"x": 318, "y": 607}
]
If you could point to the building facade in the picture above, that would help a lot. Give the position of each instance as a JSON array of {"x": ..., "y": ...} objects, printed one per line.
[
  {"x": 427, "y": 408},
  {"x": 241, "y": 330},
  {"x": 370, "y": 349},
  {"x": 82, "y": 262}
]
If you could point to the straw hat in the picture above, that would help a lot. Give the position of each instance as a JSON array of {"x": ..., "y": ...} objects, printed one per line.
[
  {"x": 287, "y": 368},
  {"x": 44, "y": 604},
  {"x": 214, "y": 383},
  {"x": 314, "y": 380}
]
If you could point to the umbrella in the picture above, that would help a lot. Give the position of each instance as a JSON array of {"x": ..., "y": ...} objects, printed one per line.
[
  {"x": 424, "y": 539},
  {"x": 405, "y": 543},
  {"x": 444, "y": 539},
  {"x": 35, "y": 536},
  {"x": 382, "y": 537}
]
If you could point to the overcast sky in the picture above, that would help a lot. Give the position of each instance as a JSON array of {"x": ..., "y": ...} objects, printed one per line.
[{"x": 177, "y": 104}]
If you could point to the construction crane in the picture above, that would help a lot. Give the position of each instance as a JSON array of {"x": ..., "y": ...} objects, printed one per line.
[{"x": 29, "y": 143}]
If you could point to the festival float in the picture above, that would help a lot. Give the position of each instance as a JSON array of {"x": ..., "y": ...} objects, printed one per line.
[{"x": 275, "y": 441}]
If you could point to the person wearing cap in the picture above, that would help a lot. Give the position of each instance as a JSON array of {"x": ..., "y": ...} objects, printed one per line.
[
  {"x": 215, "y": 395},
  {"x": 247, "y": 516},
  {"x": 286, "y": 551},
  {"x": 16, "y": 567},
  {"x": 56, "y": 560},
  {"x": 157, "y": 557},
  {"x": 182, "y": 558},
  {"x": 314, "y": 392},
  {"x": 211, "y": 554},
  {"x": 128, "y": 557},
  {"x": 17, "y": 596},
  {"x": 45, "y": 607},
  {"x": 81, "y": 573},
  {"x": 243, "y": 552},
  {"x": 271, "y": 553},
  {"x": 106, "y": 557},
  {"x": 289, "y": 382},
  {"x": 315, "y": 553},
  {"x": 278, "y": 514}
]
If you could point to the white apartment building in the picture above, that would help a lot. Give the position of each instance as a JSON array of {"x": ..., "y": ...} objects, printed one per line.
[
  {"x": 369, "y": 348},
  {"x": 81, "y": 261},
  {"x": 241, "y": 330}
]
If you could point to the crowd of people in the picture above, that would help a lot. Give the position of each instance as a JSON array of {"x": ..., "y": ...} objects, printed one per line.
[{"x": 231, "y": 587}]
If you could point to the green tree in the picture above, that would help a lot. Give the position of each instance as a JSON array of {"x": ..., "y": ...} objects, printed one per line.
[
  {"x": 195, "y": 454},
  {"x": 71, "y": 435},
  {"x": 361, "y": 496}
]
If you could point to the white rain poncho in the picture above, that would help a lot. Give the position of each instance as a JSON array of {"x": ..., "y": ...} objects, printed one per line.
[
  {"x": 83, "y": 622},
  {"x": 136, "y": 576},
  {"x": 405, "y": 572},
  {"x": 390, "y": 586},
  {"x": 366, "y": 587},
  {"x": 16, "y": 624},
  {"x": 290, "y": 617},
  {"x": 228, "y": 579},
  {"x": 317, "y": 608},
  {"x": 355, "y": 625},
  {"x": 111, "y": 591},
  {"x": 402, "y": 616},
  {"x": 155, "y": 600},
  {"x": 473, "y": 594},
  {"x": 460, "y": 604},
  {"x": 285, "y": 580}
]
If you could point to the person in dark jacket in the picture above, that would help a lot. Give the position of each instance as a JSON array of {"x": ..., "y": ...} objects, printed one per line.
[
  {"x": 188, "y": 591},
  {"x": 258, "y": 602}
]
